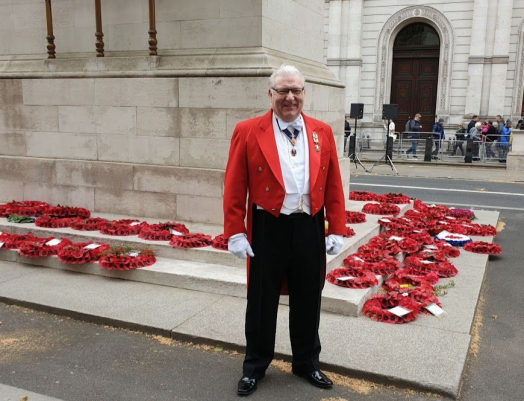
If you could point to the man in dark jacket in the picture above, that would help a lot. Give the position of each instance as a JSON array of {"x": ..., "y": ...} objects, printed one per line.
[
  {"x": 491, "y": 136},
  {"x": 472, "y": 123},
  {"x": 414, "y": 135},
  {"x": 438, "y": 136}
]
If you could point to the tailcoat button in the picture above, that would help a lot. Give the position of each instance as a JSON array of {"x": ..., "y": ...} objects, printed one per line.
[
  {"x": 267, "y": 189},
  {"x": 320, "y": 189},
  {"x": 323, "y": 168},
  {"x": 260, "y": 169}
]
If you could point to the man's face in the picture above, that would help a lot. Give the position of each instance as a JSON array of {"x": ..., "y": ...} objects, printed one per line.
[
  {"x": 476, "y": 119},
  {"x": 287, "y": 106},
  {"x": 498, "y": 119}
]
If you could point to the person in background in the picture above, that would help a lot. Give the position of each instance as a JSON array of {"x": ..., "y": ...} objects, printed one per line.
[
  {"x": 474, "y": 120},
  {"x": 391, "y": 127},
  {"x": 500, "y": 123},
  {"x": 459, "y": 140},
  {"x": 491, "y": 136},
  {"x": 476, "y": 134},
  {"x": 438, "y": 136},
  {"x": 503, "y": 144},
  {"x": 414, "y": 135},
  {"x": 347, "y": 132}
]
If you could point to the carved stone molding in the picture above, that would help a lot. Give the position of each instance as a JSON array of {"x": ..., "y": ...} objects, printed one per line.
[
  {"x": 386, "y": 38},
  {"x": 518, "y": 86},
  {"x": 344, "y": 61},
  {"x": 488, "y": 60}
]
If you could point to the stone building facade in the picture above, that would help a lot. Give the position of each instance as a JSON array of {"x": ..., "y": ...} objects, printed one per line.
[
  {"x": 478, "y": 67},
  {"x": 131, "y": 133}
]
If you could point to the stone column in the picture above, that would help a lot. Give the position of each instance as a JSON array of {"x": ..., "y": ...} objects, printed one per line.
[
  {"x": 476, "y": 57},
  {"x": 499, "y": 70},
  {"x": 354, "y": 53},
  {"x": 334, "y": 36}
]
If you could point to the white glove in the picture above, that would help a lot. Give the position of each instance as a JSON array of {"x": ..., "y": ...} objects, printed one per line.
[
  {"x": 334, "y": 244},
  {"x": 239, "y": 246}
]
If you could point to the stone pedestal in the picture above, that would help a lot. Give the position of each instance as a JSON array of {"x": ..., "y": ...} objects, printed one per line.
[
  {"x": 134, "y": 134},
  {"x": 515, "y": 161}
]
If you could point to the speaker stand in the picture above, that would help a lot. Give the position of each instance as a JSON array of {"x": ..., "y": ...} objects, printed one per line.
[
  {"x": 384, "y": 158},
  {"x": 354, "y": 157}
]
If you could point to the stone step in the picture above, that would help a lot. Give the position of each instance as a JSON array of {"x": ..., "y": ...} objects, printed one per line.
[
  {"x": 204, "y": 277},
  {"x": 201, "y": 269},
  {"x": 363, "y": 231}
]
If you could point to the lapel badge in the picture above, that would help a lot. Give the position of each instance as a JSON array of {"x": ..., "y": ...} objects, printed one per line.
[
  {"x": 315, "y": 137},
  {"x": 317, "y": 148}
]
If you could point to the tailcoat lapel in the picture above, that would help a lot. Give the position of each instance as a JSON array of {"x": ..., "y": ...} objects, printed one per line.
[
  {"x": 266, "y": 140},
  {"x": 314, "y": 156}
]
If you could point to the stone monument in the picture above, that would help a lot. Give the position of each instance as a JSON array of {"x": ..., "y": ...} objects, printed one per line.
[{"x": 104, "y": 123}]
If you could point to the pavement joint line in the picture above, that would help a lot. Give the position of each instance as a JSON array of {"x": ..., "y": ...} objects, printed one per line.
[
  {"x": 438, "y": 189},
  {"x": 200, "y": 311}
]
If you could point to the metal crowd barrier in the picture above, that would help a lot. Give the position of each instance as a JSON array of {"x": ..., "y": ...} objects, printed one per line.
[{"x": 450, "y": 149}]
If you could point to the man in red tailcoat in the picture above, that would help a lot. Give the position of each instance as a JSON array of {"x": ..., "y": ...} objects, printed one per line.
[{"x": 287, "y": 163}]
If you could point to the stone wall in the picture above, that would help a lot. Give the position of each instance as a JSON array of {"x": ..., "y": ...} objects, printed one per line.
[{"x": 141, "y": 146}]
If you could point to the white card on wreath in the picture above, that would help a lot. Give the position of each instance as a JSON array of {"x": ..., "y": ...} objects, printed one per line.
[
  {"x": 1, "y": 245},
  {"x": 435, "y": 310},
  {"x": 399, "y": 311},
  {"x": 53, "y": 242},
  {"x": 92, "y": 246},
  {"x": 135, "y": 223},
  {"x": 345, "y": 278},
  {"x": 175, "y": 232}
]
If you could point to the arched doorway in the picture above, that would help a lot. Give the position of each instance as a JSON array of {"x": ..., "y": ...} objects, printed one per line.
[{"x": 414, "y": 78}]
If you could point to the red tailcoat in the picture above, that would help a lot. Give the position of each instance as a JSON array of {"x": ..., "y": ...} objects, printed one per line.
[{"x": 254, "y": 167}]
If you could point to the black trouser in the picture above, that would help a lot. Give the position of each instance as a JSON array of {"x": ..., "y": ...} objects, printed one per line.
[{"x": 291, "y": 247}]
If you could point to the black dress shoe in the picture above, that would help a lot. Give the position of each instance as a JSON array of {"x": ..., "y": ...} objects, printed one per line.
[
  {"x": 247, "y": 386},
  {"x": 317, "y": 379}
]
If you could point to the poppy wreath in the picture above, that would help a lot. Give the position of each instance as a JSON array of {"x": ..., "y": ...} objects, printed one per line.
[
  {"x": 430, "y": 277},
  {"x": 162, "y": 231},
  {"x": 483, "y": 247},
  {"x": 50, "y": 222},
  {"x": 432, "y": 255},
  {"x": 394, "y": 224},
  {"x": 394, "y": 244},
  {"x": 23, "y": 208},
  {"x": 362, "y": 278},
  {"x": 421, "y": 236},
  {"x": 67, "y": 211},
  {"x": 447, "y": 249},
  {"x": 126, "y": 258},
  {"x": 431, "y": 209},
  {"x": 219, "y": 242},
  {"x": 463, "y": 214},
  {"x": 4, "y": 236},
  {"x": 124, "y": 227},
  {"x": 13, "y": 241},
  {"x": 418, "y": 266},
  {"x": 402, "y": 282},
  {"x": 482, "y": 230},
  {"x": 382, "y": 268},
  {"x": 38, "y": 248},
  {"x": 355, "y": 217},
  {"x": 420, "y": 294},
  {"x": 195, "y": 240},
  {"x": 369, "y": 254},
  {"x": 376, "y": 308},
  {"x": 92, "y": 224},
  {"x": 381, "y": 208},
  {"x": 397, "y": 199},
  {"x": 75, "y": 254},
  {"x": 362, "y": 196}
]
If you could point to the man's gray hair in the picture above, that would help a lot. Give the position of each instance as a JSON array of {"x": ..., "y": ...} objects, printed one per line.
[{"x": 285, "y": 69}]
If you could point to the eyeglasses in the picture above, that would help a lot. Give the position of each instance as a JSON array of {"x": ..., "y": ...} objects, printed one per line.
[{"x": 285, "y": 91}]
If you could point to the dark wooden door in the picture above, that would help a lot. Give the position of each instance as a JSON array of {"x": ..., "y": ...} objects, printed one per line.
[{"x": 414, "y": 85}]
